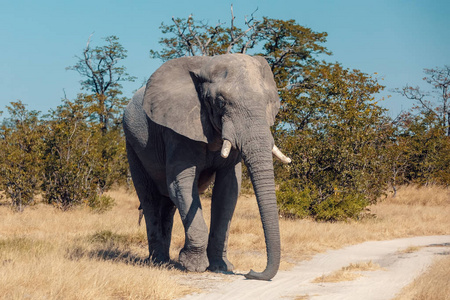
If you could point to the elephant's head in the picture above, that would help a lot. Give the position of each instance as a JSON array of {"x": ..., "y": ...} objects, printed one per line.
[{"x": 228, "y": 101}]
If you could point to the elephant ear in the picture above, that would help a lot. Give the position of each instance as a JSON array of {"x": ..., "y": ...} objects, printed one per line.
[
  {"x": 172, "y": 99},
  {"x": 273, "y": 100}
]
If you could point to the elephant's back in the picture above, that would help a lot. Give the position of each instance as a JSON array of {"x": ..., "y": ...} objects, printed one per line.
[{"x": 135, "y": 123}]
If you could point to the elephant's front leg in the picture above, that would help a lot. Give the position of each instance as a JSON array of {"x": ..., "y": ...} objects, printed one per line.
[
  {"x": 184, "y": 193},
  {"x": 224, "y": 198}
]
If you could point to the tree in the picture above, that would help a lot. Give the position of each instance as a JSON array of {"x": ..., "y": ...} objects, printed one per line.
[
  {"x": 102, "y": 77},
  {"x": 69, "y": 156},
  {"x": 21, "y": 155},
  {"x": 192, "y": 38},
  {"x": 439, "y": 78},
  {"x": 77, "y": 152},
  {"x": 423, "y": 134},
  {"x": 423, "y": 149},
  {"x": 74, "y": 162},
  {"x": 336, "y": 135}
]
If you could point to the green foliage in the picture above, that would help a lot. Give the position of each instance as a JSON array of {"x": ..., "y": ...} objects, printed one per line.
[
  {"x": 21, "y": 154},
  {"x": 85, "y": 147},
  {"x": 101, "y": 204},
  {"x": 435, "y": 102},
  {"x": 77, "y": 152},
  {"x": 298, "y": 200},
  {"x": 112, "y": 167},
  {"x": 70, "y": 157},
  {"x": 294, "y": 201},
  {"x": 423, "y": 150},
  {"x": 329, "y": 124},
  {"x": 102, "y": 76},
  {"x": 291, "y": 50},
  {"x": 81, "y": 162},
  {"x": 421, "y": 142},
  {"x": 336, "y": 141},
  {"x": 340, "y": 207}
]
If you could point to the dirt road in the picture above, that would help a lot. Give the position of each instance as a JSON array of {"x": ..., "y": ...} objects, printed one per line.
[{"x": 397, "y": 270}]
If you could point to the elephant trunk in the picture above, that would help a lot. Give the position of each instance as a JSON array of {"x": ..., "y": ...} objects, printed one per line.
[{"x": 257, "y": 155}]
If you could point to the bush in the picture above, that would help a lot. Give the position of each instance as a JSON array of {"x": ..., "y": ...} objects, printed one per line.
[
  {"x": 336, "y": 136},
  {"x": 300, "y": 201},
  {"x": 21, "y": 155},
  {"x": 339, "y": 207},
  {"x": 81, "y": 162},
  {"x": 293, "y": 201},
  {"x": 101, "y": 204},
  {"x": 425, "y": 156}
]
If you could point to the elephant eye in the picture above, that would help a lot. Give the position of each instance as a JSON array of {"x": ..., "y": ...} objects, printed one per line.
[{"x": 221, "y": 102}]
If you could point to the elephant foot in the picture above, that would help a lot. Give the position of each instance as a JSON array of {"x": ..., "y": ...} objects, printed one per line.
[
  {"x": 159, "y": 259},
  {"x": 221, "y": 264},
  {"x": 193, "y": 260},
  {"x": 158, "y": 256}
]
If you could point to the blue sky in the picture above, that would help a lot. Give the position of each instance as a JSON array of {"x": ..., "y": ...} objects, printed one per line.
[{"x": 397, "y": 39}]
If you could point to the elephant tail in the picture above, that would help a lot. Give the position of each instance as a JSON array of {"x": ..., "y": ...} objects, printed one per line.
[{"x": 141, "y": 214}]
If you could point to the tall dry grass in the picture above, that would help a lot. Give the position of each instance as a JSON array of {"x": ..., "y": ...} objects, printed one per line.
[
  {"x": 49, "y": 254},
  {"x": 433, "y": 284},
  {"x": 46, "y": 253}
]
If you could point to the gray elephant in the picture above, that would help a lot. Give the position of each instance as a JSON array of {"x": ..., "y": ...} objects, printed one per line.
[{"x": 193, "y": 123}]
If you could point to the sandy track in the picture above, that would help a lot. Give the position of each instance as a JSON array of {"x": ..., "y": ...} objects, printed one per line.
[{"x": 397, "y": 270}]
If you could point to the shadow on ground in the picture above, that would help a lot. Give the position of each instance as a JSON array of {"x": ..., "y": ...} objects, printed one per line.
[{"x": 117, "y": 255}]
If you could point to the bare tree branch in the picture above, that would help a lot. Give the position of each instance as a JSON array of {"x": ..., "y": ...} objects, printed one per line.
[
  {"x": 235, "y": 39},
  {"x": 205, "y": 48},
  {"x": 184, "y": 38},
  {"x": 102, "y": 77},
  {"x": 194, "y": 34},
  {"x": 417, "y": 95},
  {"x": 252, "y": 25}
]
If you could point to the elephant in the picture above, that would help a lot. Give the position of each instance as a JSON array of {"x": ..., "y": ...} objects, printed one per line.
[{"x": 192, "y": 124}]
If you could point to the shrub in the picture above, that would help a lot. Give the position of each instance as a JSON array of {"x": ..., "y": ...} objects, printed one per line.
[
  {"x": 101, "y": 204},
  {"x": 21, "y": 155},
  {"x": 81, "y": 162},
  {"x": 292, "y": 200},
  {"x": 339, "y": 207},
  {"x": 299, "y": 201}
]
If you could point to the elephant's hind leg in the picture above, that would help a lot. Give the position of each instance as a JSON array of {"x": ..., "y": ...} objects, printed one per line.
[{"x": 158, "y": 210}]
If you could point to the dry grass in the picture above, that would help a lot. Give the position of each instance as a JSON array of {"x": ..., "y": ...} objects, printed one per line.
[
  {"x": 421, "y": 195},
  {"x": 49, "y": 254},
  {"x": 348, "y": 273},
  {"x": 410, "y": 249},
  {"x": 394, "y": 218},
  {"x": 302, "y": 297},
  {"x": 46, "y": 253},
  {"x": 303, "y": 238},
  {"x": 433, "y": 284}
]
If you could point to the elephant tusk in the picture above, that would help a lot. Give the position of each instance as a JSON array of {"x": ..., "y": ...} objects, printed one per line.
[
  {"x": 226, "y": 148},
  {"x": 280, "y": 155}
]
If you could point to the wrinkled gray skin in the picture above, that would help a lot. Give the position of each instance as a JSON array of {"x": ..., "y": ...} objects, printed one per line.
[{"x": 175, "y": 128}]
